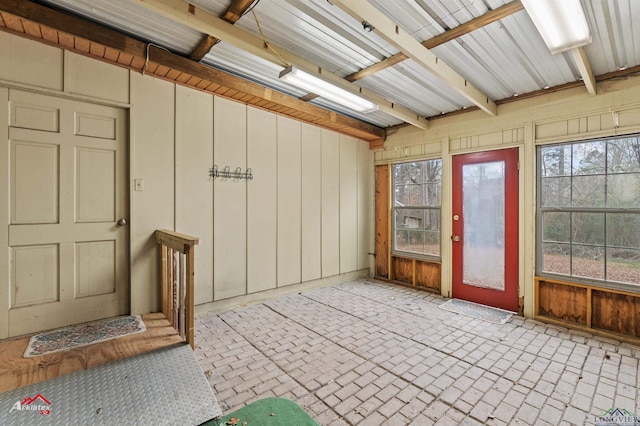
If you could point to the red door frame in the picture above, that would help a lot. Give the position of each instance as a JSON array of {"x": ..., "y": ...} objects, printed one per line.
[{"x": 507, "y": 299}]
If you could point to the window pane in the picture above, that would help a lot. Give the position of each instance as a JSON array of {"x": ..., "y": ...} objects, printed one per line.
[
  {"x": 405, "y": 173},
  {"x": 604, "y": 174},
  {"x": 623, "y": 230},
  {"x": 401, "y": 240},
  {"x": 409, "y": 219},
  {"x": 432, "y": 243},
  {"x": 556, "y": 192},
  {"x": 556, "y": 258},
  {"x": 417, "y": 231},
  {"x": 623, "y": 191},
  {"x": 623, "y": 155},
  {"x": 555, "y": 161},
  {"x": 589, "y": 158},
  {"x": 588, "y": 228},
  {"x": 432, "y": 234},
  {"x": 556, "y": 226},
  {"x": 409, "y": 195},
  {"x": 433, "y": 194},
  {"x": 417, "y": 185},
  {"x": 416, "y": 242},
  {"x": 623, "y": 265},
  {"x": 588, "y": 191},
  {"x": 587, "y": 261}
]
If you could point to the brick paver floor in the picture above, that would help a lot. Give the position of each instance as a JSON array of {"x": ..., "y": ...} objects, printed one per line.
[{"x": 371, "y": 353}]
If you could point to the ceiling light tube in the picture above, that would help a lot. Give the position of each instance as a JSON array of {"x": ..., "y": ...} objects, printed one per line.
[
  {"x": 561, "y": 23},
  {"x": 327, "y": 90}
]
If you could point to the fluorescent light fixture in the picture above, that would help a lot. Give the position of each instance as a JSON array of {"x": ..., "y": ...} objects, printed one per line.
[
  {"x": 327, "y": 90},
  {"x": 561, "y": 23}
]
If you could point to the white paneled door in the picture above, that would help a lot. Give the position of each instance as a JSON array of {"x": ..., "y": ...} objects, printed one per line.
[{"x": 67, "y": 212}]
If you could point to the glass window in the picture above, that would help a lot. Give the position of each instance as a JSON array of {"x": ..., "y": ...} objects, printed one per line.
[
  {"x": 417, "y": 190},
  {"x": 589, "y": 210}
]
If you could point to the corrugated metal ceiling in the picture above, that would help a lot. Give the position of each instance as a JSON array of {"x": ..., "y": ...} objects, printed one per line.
[{"x": 502, "y": 59}]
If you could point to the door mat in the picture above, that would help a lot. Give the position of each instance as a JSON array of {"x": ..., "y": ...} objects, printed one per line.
[
  {"x": 83, "y": 334},
  {"x": 267, "y": 412},
  {"x": 475, "y": 310}
]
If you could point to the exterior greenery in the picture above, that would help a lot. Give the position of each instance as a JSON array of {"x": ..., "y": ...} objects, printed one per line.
[
  {"x": 589, "y": 210},
  {"x": 417, "y": 188}
]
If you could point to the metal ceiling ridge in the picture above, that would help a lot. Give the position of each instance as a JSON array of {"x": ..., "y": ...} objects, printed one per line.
[
  {"x": 160, "y": 63},
  {"x": 627, "y": 72},
  {"x": 406, "y": 43},
  {"x": 207, "y": 23}
]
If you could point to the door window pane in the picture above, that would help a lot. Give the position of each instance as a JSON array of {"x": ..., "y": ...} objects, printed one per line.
[{"x": 483, "y": 214}]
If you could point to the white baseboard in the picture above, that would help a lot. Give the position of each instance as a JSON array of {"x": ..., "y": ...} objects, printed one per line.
[{"x": 212, "y": 308}]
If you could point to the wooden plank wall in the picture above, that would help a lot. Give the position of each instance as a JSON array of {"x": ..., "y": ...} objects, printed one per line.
[
  {"x": 610, "y": 312},
  {"x": 229, "y": 200},
  {"x": 193, "y": 214},
  {"x": 402, "y": 270},
  {"x": 563, "y": 302},
  {"x": 262, "y": 201},
  {"x": 289, "y": 201},
  {"x": 330, "y": 199},
  {"x": 382, "y": 221},
  {"x": 616, "y": 312},
  {"x": 418, "y": 273},
  {"x": 428, "y": 275},
  {"x": 311, "y": 203},
  {"x": 348, "y": 204}
]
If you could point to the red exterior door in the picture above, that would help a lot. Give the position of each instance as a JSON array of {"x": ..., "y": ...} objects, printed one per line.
[{"x": 485, "y": 228}]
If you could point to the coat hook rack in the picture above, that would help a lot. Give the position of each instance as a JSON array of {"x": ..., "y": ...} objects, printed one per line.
[{"x": 226, "y": 173}]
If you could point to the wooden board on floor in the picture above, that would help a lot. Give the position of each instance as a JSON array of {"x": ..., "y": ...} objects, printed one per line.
[{"x": 16, "y": 371}]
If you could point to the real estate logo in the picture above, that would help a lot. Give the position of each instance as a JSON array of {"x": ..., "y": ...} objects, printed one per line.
[
  {"x": 617, "y": 416},
  {"x": 37, "y": 403}
]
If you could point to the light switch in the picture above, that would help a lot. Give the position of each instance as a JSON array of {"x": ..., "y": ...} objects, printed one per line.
[{"x": 138, "y": 184}]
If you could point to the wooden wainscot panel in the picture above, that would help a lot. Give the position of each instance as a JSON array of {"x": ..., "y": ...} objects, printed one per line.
[
  {"x": 428, "y": 275},
  {"x": 563, "y": 302},
  {"x": 382, "y": 221},
  {"x": 402, "y": 270},
  {"x": 615, "y": 312}
]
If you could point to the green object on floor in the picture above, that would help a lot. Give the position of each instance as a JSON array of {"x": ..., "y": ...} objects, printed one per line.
[{"x": 267, "y": 412}]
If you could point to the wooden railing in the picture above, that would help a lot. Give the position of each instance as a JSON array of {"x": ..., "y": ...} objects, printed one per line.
[{"x": 177, "y": 280}]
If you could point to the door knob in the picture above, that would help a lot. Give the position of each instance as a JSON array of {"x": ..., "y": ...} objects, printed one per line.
[
  {"x": 455, "y": 238},
  {"x": 122, "y": 222}
]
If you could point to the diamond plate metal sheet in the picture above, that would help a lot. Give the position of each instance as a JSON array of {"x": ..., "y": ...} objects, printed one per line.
[{"x": 164, "y": 387}]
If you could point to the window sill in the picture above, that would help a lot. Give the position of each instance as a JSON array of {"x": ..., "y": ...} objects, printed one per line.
[{"x": 416, "y": 256}]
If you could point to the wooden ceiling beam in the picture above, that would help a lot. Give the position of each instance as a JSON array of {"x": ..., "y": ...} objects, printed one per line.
[
  {"x": 236, "y": 9},
  {"x": 584, "y": 67},
  {"x": 203, "y": 47},
  {"x": 452, "y": 34},
  {"x": 125, "y": 51},
  {"x": 232, "y": 14},
  {"x": 362, "y": 10}
]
